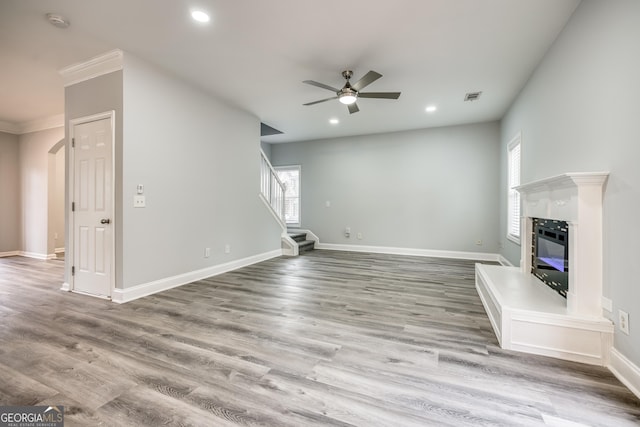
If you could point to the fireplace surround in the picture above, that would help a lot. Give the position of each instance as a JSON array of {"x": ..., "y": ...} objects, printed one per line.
[{"x": 526, "y": 314}]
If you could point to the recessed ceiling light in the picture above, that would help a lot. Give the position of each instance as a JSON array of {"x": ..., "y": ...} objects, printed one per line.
[
  {"x": 431, "y": 108},
  {"x": 200, "y": 16},
  {"x": 334, "y": 121}
]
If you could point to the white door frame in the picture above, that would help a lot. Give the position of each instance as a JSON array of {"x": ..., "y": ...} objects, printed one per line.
[{"x": 111, "y": 115}]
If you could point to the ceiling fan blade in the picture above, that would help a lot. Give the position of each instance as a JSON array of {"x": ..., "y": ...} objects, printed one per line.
[
  {"x": 322, "y": 85},
  {"x": 368, "y": 78},
  {"x": 384, "y": 95},
  {"x": 322, "y": 100},
  {"x": 353, "y": 108}
]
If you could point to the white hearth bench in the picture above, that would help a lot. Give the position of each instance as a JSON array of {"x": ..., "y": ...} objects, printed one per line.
[{"x": 526, "y": 314}]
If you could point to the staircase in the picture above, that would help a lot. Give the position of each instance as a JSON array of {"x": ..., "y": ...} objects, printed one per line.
[
  {"x": 304, "y": 245},
  {"x": 272, "y": 194}
]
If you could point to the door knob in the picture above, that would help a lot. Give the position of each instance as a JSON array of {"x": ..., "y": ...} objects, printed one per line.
[{"x": 105, "y": 221}]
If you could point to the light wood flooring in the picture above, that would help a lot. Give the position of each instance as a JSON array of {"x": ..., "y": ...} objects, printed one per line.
[{"x": 324, "y": 339}]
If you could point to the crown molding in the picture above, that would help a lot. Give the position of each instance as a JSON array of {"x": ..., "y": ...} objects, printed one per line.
[
  {"x": 51, "y": 122},
  {"x": 9, "y": 127},
  {"x": 97, "y": 66}
]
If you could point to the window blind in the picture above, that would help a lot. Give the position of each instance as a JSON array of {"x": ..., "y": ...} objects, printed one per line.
[{"x": 513, "y": 214}]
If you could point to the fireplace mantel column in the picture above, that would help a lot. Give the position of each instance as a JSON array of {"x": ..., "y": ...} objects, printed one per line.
[{"x": 585, "y": 297}]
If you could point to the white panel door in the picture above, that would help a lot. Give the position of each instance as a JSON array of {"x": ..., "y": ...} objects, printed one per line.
[{"x": 93, "y": 198}]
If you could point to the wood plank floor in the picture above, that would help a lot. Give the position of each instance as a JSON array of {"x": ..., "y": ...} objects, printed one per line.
[{"x": 324, "y": 339}]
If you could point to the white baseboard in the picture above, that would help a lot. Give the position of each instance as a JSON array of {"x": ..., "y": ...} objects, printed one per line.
[
  {"x": 59, "y": 250},
  {"x": 10, "y": 253},
  {"x": 65, "y": 287},
  {"x": 625, "y": 371},
  {"x": 36, "y": 255},
  {"x": 479, "y": 256},
  {"x": 129, "y": 294}
]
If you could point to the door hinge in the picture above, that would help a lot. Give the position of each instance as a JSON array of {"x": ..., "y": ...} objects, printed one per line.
[
  {"x": 73, "y": 143},
  {"x": 73, "y": 270},
  {"x": 73, "y": 206}
]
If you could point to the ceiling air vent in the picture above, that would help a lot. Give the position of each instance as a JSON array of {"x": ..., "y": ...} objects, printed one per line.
[{"x": 472, "y": 96}]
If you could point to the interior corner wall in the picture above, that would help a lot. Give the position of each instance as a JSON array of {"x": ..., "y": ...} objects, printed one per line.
[
  {"x": 10, "y": 224},
  {"x": 579, "y": 113},
  {"x": 432, "y": 189},
  {"x": 199, "y": 162},
  {"x": 98, "y": 95},
  {"x": 266, "y": 149},
  {"x": 34, "y": 189}
]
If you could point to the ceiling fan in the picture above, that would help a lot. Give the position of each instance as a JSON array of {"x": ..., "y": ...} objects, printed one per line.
[{"x": 351, "y": 92}]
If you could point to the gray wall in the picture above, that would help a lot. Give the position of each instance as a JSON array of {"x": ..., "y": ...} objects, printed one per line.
[
  {"x": 9, "y": 193},
  {"x": 579, "y": 112},
  {"x": 83, "y": 99},
  {"x": 199, "y": 161},
  {"x": 34, "y": 188},
  {"x": 426, "y": 189}
]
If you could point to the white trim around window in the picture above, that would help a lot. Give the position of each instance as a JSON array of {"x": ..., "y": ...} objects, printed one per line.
[
  {"x": 514, "y": 149},
  {"x": 292, "y": 199}
]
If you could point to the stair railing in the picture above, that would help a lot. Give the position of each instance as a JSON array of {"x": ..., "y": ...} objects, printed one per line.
[{"x": 272, "y": 189}]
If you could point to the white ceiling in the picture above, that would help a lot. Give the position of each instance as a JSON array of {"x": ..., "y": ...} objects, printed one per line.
[{"x": 255, "y": 55}]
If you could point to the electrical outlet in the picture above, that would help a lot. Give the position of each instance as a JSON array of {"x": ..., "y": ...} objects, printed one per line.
[
  {"x": 227, "y": 248},
  {"x": 139, "y": 201},
  {"x": 207, "y": 252},
  {"x": 479, "y": 242},
  {"x": 347, "y": 232},
  {"x": 623, "y": 321},
  {"x": 359, "y": 236}
]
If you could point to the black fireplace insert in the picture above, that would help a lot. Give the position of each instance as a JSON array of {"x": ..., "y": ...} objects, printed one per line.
[{"x": 550, "y": 254}]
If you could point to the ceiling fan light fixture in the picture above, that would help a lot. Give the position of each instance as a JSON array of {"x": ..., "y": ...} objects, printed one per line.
[{"x": 348, "y": 98}]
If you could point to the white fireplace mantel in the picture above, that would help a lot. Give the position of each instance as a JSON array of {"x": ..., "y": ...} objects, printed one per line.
[
  {"x": 577, "y": 199},
  {"x": 527, "y": 315}
]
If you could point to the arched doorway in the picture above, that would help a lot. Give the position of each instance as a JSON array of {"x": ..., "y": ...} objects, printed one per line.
[{"x": 56, "y": 200}]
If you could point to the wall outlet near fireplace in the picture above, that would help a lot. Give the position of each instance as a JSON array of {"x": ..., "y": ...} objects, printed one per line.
[{"x": 623, "y": 321}]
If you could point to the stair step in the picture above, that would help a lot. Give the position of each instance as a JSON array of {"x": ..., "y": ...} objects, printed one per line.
[
  {"x": 298, "y": 237},
  {"x": 306, "y": 245}
]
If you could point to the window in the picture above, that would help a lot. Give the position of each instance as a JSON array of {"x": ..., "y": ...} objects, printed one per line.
[
  {"x": 513, "y": 214},
  {"x": 290, "y": 177}
]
